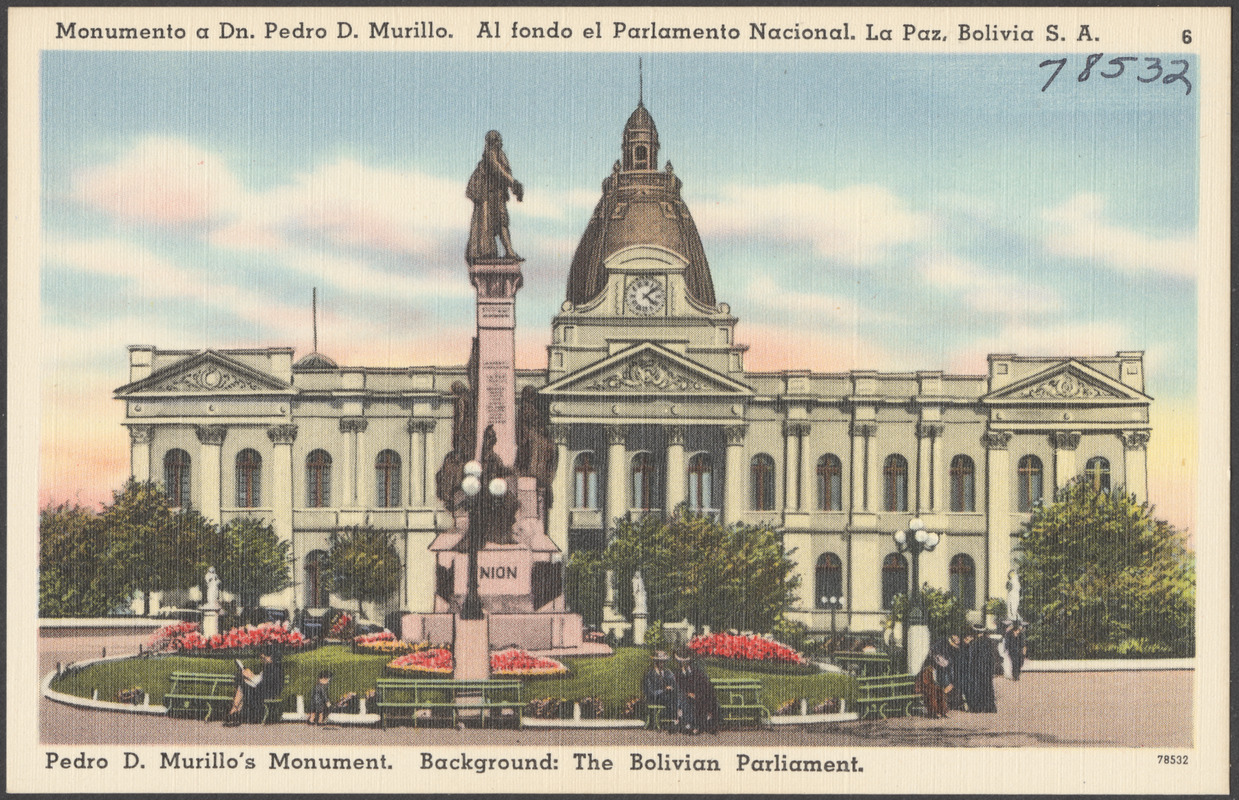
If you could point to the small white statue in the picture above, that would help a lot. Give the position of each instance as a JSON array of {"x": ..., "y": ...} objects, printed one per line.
[
  {"x": 212, "y": 588},
  {"x": 638, "y": 594},
  {"x": 1013, "y": 595}
]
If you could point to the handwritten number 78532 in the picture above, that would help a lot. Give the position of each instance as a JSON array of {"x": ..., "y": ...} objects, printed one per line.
[{"x": 1151, "y": 72}]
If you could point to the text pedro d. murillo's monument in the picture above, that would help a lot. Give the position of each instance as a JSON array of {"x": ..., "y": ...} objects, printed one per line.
[{"x": 499, "y": 576}]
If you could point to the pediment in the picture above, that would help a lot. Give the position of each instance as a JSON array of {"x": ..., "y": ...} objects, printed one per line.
[
  {"x": 647, "y": 369},
  {"x": 1067, "y": 382},
  {"x": 207, "y": 372}
]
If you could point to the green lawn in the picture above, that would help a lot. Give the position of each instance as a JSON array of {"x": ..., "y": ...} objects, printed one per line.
[{"x": 614, "y": 679}]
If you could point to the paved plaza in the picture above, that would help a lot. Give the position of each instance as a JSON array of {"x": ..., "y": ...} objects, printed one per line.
[{"x": 1044, "y": 709}]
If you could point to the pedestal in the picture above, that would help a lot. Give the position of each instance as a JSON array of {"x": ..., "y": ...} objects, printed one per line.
[
  {"x": 210, "y": 622},
  {"x": 471, "y": 650},
  {"x": 918, "y": 646},
  {"x": 638, "y": 628},
  {"x": 497, "y": 282}
]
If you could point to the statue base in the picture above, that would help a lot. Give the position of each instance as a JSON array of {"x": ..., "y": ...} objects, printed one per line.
[
  {"x": 471, "y": 650},
  {"x": 210, "y": 622}
]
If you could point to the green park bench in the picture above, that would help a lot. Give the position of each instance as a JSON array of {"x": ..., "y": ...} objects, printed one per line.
[
  {"x": 203, "y": 692},
  {"x": 739, "y": 701},
  {"x": 492, "y": 701},
  {"x": 885, "y": 696}
]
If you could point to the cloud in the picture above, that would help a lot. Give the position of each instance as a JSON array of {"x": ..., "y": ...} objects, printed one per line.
[
  {"x": 859, "y": 225},
  {"x": 161, "y": 181},
  {"x": 1079, "y": 229},
  {"x": 988, "y": 291}
]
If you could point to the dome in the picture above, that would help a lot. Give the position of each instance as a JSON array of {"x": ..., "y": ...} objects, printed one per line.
[
  {"x": 315, "y": 361},
  {"x": 640, "y": 205}
]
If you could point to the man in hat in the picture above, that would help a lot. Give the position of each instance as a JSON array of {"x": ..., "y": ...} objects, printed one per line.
[
  {"x": 951, "y": 649},
  {"x": 1016, "y": 646},
  {"x": 978, "y": 673},
  {"x": 935, "y": 684},
  {"x": 659, "y": 684},
  {"x": 699, "y": 710}
]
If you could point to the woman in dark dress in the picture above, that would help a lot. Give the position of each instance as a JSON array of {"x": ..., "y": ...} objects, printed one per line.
[{"x": 978, "y": 674}]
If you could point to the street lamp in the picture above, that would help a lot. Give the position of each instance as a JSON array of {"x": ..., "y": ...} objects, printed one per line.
[
  {"x": 834, "y": 602},
  {"x": 471, "y": 485},
  {"x": 915, "y": 541}
]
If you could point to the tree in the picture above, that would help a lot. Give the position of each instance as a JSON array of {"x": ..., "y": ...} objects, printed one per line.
[
  {"x": 364, "y": 565},
  {"x": 77, "y": 577},
  {"x": 1100, "y": 575},
  {"x": 944, "y": 614},
  {"x": 723, "y": 576},
  {"x": 585, "y": 584},
  {"x": 153, "y": 547},
  {"x": 252, "y": 560}
]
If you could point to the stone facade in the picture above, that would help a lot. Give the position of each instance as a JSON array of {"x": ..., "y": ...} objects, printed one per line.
[{"x": 651, "y": 407}]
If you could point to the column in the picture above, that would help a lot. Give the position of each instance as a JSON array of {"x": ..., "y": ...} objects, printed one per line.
[
  {"x": 805, "y": 479},
  {"x": 419, "y": 460},
  {"x": 859, "y": 477},
  {"x": 997, "y": 516},
  {"x": 733, "y": 488},
  {"x": 211, "y": 437},
  {"x": 942, "y": 486},
  {"x": 676, "y": 483},
  {"x": 432, "y": 463},
  {"x": 617, "y": 475},
  {"x": 791, "y": 466},
  {"x": 281, "y": 479},
  {"x": 140, "y": 451},
  {"x": 561, "y": 489},
  {"x": 1135, "y": 463},
  {"x": 353, "y": 426},
  {"x": 1065, "y": 444},
  {"x": 927, "y": 434}
]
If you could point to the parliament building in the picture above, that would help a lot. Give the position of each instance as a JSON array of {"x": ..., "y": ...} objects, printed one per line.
[{"x": 651, "y": 407}]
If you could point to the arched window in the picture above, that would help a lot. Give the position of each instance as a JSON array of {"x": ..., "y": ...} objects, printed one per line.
[
  {"x": 316, "y": 584},
  {"x": 318, "y": 479},
  {"x": 963, "y": 484},
  {"x": 249, "y": 479},
  {"x": 964, "y": 580},
  {"x": 585, "y": 480},
  {"x": 700, "y": 482},
  {"x": 762, "y": 469},
  {"x": 829, "y": 483},
  {"x": 1098, "y": 471},
  {"x": 896, "y": 474},
  {"x": 828, "y": 581},
  {"x": 894, "y": 578},
  {"x": 176, "y": 478},
  {"x": 640, "y": 157},
  {"x": 387, "y": 479},
  {"x": 644, "y": 482},
  {"x": 1030, "y": 475}
]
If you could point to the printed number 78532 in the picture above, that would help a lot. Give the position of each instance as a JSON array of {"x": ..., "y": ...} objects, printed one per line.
[{"x": 1172, "y": 759}]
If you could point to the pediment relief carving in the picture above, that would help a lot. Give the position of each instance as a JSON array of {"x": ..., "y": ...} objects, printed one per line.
[
  {"x": 1063, "y": 386},
  {"x": 208, "y": 378},
  {"x": 646, "y": 373}
]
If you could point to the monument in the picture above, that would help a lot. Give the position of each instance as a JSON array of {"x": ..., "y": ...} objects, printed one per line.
[{"x": 499, "y": 577}]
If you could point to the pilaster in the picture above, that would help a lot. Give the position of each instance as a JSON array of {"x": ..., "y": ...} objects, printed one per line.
[
  {"x": 733, "y": 466},
  {"x": 617, "y": 475},
  {"x": 1065, "y": 444},
  {"x": 354, "y": 427},
  {"x": 1135, "y": 463},
  {"x": 675, "y": 472},
  {"x": 140, "y": 451},
  {"x": 997, "y": 514},
  {"x": 211, "y": 440},
  {"x": 561, "y": 489},
  {"x": 419, "y": 460}
]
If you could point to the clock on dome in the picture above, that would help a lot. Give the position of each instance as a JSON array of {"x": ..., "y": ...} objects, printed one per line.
[{"x": 646, "y": 296}]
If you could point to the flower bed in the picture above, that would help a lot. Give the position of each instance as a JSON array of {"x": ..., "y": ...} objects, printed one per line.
[
  {"x": 371, "y": 638},
  {"x": 185, "y": 637},
  {"x": 744, "y": 648},
  {"x": 437, "y": 661},
  {"x": 519, "y": 663},
  {"x": 391, "y": 648}
]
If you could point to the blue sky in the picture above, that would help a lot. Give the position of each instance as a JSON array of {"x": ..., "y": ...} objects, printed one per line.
[{"x": 859, "y": 211}]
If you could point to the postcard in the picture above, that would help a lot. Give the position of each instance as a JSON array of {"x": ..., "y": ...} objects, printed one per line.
[{"x": 656, "y": 400}]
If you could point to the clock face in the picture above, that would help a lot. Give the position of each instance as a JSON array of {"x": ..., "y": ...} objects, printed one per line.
[{"x": 646, "y": 296}]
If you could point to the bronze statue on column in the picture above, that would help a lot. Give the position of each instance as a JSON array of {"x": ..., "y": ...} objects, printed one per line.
[{"x": 488, "y": 188}]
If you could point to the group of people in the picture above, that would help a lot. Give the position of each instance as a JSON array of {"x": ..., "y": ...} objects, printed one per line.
[
  {"x": 686, "y": 692},
  {"x": 959, "y": 672},
  {"x": 255, "y": 688}
]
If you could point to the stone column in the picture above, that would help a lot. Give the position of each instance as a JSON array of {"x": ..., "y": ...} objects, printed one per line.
[
  {"x": 211, "y": 437},
  {"x": 561, "y": 489},
  {"x": 617, "y": 475},
  {"x": 791, "y": 466},
  {"x": 353, "y": 426},
  {"x": 1065, "y": 444},
  {"x": 676, "y": 480},
  {"x": 997, "y": 515},
  {"x": 419, "y": 460},
  {"x": 927, "y": 434},
  {"x": 861, "y": 492},
  {"x": 140, "y": 451},
  {"x": 281, "y": 492},
  {"x": 942, "y": 485},
  {"x": 805, "y": 480},
  {"x": 1135, "y": 463},
  {"x": 733, "y": 488}
]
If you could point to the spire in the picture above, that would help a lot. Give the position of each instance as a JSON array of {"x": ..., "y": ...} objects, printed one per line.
[
  {"x": 315, "y": 359},
  {"x": 640, "y": 83},
  {"x": 314, "y": 315}
]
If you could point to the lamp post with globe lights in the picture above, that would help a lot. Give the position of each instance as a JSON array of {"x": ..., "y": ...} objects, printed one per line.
[
  {"x": 833, "y": 602},
  {"x": 914, "y": 541},
  {"x": 471, "y": 485}
]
